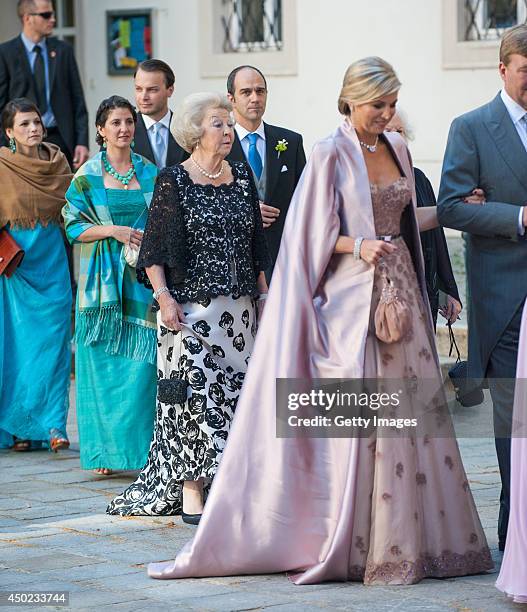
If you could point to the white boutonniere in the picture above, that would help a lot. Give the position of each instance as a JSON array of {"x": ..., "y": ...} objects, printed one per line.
[{"x": 281, "y": 146}]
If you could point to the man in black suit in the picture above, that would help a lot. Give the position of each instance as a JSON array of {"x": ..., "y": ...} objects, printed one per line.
[
  {"x": 275, "y": 154},
  {"x": 44, "y": 69},
  {"x": 154, "y": 84}
]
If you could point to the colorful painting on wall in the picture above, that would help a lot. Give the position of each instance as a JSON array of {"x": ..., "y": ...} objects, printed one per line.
[{"x": 129, "y": 39}]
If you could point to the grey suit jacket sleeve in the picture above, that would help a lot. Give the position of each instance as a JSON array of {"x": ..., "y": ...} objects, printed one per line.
[{"x": 461, "y": 174}]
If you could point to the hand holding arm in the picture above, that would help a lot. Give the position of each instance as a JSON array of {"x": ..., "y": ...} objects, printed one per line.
[
  {"x": 426, "y": 218},
  {"x": 477, "y": 196},
  {"x": 461, "y": 176}
]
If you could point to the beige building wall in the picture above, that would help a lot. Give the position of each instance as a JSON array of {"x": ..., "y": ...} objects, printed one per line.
[
  {"x": 322, "y": 38},
  {"x": 329, "y": 35},
  {"x": 9, "y": 22}
]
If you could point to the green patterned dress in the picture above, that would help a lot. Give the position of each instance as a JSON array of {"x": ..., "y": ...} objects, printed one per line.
[{"x": 116, "y": 392}]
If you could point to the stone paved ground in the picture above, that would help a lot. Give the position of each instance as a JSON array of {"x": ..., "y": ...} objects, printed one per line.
[{"x": 54, "y": 535}]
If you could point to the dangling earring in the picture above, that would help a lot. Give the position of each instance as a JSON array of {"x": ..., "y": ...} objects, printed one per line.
[
  {"x": 104, "y": 145},
  {"x": 132, "y": 144},
  {"x": 197, "y": 145},
  {"x": 12, "y": 145}
]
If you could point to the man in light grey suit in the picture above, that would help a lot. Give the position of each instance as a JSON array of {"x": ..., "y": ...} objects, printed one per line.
[{"x": 487, "y": 148}]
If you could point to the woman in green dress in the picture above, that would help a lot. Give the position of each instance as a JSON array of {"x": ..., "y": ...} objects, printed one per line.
[{"x": 106, "y": 208}]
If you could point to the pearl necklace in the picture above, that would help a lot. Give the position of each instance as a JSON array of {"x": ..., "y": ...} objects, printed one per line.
[
  {"x": 371, "y": 148},
  {"x": 208, "y": 174},
  {"x": 122, "y": 178}
]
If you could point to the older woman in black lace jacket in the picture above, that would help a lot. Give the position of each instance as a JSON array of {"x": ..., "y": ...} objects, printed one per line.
[{"x": 203, "y": 254}]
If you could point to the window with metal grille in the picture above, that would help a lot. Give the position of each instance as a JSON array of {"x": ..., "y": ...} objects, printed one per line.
[
  {"x": 488, "y": 19},
  {"x": 251, "y": 25},
  {"x": 65, "y": 28}
]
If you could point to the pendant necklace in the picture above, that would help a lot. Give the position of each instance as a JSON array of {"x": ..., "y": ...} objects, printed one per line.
[
  {"x": 212, "y": 177},
  {"x": 122, "y": 178},
  {"x": 371, "y": 148}
]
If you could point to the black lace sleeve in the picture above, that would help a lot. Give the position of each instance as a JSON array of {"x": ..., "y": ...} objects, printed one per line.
[
  {"x": 164, "y": 240},
  {"x": 260, "y": 251}
]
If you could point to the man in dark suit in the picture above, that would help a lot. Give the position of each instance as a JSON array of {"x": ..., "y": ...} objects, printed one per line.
[
  {"x": 275, "y": 154},
  {"x": 487, "y": 148},
  {"x": 44, "y": 69},
  {"x": 154, "y": 84}
]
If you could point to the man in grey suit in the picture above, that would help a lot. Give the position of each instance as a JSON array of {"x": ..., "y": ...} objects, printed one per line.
[{"x": 487, "y": 148}]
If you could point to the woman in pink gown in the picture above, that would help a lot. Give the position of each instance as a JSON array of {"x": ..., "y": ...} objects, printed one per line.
[
  {"x": 381, "y": 509},
  {"x": 513, "y": 574}
]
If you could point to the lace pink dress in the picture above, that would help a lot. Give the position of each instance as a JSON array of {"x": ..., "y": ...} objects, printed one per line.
[
  {"x": 415, "y": 515},
  {"x": 393, "y": 508}
]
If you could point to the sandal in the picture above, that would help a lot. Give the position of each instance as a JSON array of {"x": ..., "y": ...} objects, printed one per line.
[
  {"x": 21, "y": 446},
  {"x": 57, "y": 440},
  {"x": 103, "y": 471}
]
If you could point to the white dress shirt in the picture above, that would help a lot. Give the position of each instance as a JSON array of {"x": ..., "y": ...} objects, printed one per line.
[
  {"x": 517, "y": 114},
  {"x": 149, "y": 122},
  {"x": 260, "y": 143}
]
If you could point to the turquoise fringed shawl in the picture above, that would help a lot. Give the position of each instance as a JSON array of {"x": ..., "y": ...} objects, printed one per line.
[{"x": 112, "y": 307}]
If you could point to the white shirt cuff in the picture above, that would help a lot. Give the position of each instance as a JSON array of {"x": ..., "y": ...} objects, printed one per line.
[{"x": 521, "y": 227}]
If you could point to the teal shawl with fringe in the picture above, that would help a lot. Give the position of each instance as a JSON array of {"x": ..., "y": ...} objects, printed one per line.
[{"x": 113, "y": 309}]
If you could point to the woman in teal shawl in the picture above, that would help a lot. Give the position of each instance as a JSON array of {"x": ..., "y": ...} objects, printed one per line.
[
  {"x": 106, "y": 205},
  {"x": 35, "y": 302}
]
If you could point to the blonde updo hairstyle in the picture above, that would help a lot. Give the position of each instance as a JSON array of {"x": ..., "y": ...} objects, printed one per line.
[
  {"x": 186, "y": 125},
  {"x": 366, "y": 80}
]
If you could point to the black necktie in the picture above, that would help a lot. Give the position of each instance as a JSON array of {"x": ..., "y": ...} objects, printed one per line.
[{"x": 39, "y": 74}]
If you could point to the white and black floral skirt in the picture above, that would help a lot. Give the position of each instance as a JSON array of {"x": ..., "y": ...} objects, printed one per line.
[{"x": 212, "y": 352}]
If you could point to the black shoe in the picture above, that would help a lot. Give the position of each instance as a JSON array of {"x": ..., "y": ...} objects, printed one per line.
[
  {"x": 191, "y": 519},
  {"x": 501, "y": 545}
]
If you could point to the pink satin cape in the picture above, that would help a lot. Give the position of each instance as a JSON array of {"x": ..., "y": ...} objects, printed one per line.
[
  {"x": 513, "y": 574},
  {"x": 281, "y": 505}
]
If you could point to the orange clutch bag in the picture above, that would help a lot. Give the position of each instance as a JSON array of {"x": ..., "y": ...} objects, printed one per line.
[{"x": 10, "y": 253}]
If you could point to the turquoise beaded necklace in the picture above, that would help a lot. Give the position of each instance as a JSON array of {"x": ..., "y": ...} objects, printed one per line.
[{"x": 122, "y": 178}]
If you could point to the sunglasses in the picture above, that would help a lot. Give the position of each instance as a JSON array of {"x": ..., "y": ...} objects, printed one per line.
[{"x": 45, "y": 14}]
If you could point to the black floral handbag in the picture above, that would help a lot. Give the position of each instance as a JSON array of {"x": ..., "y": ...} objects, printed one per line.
[{"x": 173, "y": 390}]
